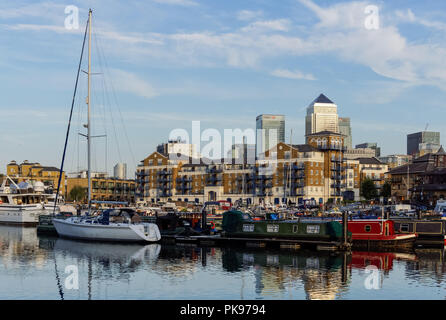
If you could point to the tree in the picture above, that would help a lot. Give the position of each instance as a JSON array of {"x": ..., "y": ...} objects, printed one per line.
[
  {"x": 368, "y": 189},
  {"x": 386, "y": 190},
  {"x": 78, "y": 193}
]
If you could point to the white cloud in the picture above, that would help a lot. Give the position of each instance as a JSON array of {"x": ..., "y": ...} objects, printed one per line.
[
  {"x": 43, "y": 9},
  {"x": 246, "y": 15},
  {"x": 40, "y": 27},
  {"x": 409, "y": 16},
  {"x": 296, "y": 74},
  {"x": 340, "y": 32},
  {"x": 128, "y": 82},
  {"x": 274, "y": 25}
]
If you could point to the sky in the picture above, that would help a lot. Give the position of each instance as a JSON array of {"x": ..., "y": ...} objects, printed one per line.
[{"x": 161, "y": 64}]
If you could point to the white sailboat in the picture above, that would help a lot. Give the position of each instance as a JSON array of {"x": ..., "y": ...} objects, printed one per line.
[{"x": 101, "y": 228}]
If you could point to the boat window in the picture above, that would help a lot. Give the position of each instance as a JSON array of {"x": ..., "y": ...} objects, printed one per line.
[
  {"x": 295, "y": 228},
  {"x": 368, "y": 228},
  {"x": 404, "y": 227},
  {"x": 313, "y": 229},
  {"x": 248, "y": 228}
]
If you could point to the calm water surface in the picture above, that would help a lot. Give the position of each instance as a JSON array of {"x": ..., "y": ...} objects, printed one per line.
[{"x": 33, "y": 267}]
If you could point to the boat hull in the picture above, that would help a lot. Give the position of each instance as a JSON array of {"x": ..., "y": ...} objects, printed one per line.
[
  {"x": 19, "y": 215},
  {"x": 399, "y": 241},
  {"x": 147, "y": 232}
]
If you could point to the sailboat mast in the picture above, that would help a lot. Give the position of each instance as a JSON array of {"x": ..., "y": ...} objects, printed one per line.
[
  {"x": 88, "y": 123},
  {"x": 290, "y": 164}
]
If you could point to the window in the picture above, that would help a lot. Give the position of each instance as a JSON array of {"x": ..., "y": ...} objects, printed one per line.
[
  {"x": 295, "y": 228},
  {"x": 313, "y": 229},
  {"x": 368, "y": 228},
  {"x": 404, "y": 227}
]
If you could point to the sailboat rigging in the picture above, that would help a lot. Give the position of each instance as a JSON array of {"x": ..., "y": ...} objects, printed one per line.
[{"x": 100, "y": 228}]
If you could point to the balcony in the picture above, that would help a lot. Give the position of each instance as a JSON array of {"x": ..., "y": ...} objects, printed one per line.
[
  {"x": 184, "y": 179},
  {"x": 336, "y": 159},
  {"x": 164, "y": 180}
]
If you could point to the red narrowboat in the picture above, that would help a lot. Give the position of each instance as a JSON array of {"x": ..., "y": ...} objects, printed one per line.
[{"x": 378, "y": 233}]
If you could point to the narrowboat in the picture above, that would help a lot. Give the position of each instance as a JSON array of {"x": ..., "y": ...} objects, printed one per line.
[
  {"x": 238, "y": 224},
  {"x": 378, "y": 233},
  {"x": 430, "y": 232}
]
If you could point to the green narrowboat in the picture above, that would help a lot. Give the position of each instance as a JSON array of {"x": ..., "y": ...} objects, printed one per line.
[{"x": 241, "y": 225}]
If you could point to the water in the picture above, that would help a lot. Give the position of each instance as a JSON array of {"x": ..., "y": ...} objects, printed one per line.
[{"x": 33, "y": 267}]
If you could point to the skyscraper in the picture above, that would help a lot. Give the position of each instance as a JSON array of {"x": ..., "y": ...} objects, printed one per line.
[
  {"x": 322, "y": 115},
  {"x": 424, "y": 137},
  {"x": 120, "y": 171},
  {"x": 345, "y": 129},
  {"x": 273, "y": 131}
]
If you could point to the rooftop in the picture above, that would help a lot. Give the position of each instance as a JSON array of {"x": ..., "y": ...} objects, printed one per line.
[{"x": 322, "y": 99}]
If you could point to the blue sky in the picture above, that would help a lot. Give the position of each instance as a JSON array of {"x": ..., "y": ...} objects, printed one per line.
[{"x": 220, "y": 62}]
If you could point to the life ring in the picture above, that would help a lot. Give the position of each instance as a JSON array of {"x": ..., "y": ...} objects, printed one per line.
[{"x": 212, "y": 224}]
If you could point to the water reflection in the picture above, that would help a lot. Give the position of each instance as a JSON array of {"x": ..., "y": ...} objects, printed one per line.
[
  {"x": 120, "y": 271},
  {"x": 322, "y": 274},
  {"x": 19, "y": 247}
]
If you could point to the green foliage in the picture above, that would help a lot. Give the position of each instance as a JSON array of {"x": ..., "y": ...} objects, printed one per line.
[
  {"x": 368, "y": 189},
  {"x": 386, "y": 190},
  {"x": 78, "y": 193}
]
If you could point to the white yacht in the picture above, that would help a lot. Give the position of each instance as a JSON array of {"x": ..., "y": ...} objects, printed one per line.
[
  {"x": 19, "y": 204},
  {"x": 101, "y": 228}
]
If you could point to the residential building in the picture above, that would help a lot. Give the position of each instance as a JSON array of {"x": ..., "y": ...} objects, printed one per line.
[
  {"x": 33, "y": 172},
  {"x": 374, "y": 169},
  {"x": 407, "y": 179},
  {"x": 332, "y": 146},
  {"x": 431, "y": 184},
  {"x": 352, "y": 180},
  {"x": 424, "y": 137},
  {"x": 104, "y": 188},
  {"x": 177, "y": 149},
  {"x": 346, "y": 130},
  {"x": 270, "y": 130},
  {"x": 242, "y": 153},
  {"x": 395, "y": 160},
  {"x": 359, "y": 153},
  {"x": 296, "y": 173},
  {"x": 425, "y": 148},
  {"x": 322, "y": 115},
  {"x": 369, "y": 145}
]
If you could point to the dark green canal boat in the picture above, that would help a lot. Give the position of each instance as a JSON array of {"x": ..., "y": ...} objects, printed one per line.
[{"x": 241, "y": 225}]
